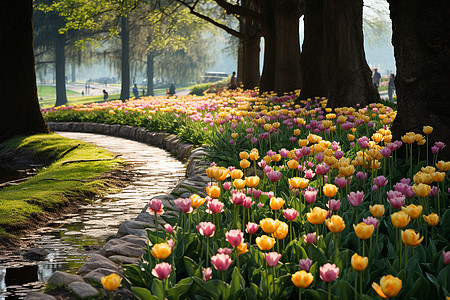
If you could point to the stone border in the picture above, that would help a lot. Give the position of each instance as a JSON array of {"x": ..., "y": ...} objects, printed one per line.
[{"x": 131, "y": 238}]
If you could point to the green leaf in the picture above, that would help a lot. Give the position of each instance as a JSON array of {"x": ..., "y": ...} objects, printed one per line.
[
  {"x": 158, "y": 288},
  {"x": 180, "y": 289},
  {"x": 412, "y": 290},
  {"x": 142, "y": 293},
  {"x": 434, "y": 281},
  {"x": 190, "y": 265}
]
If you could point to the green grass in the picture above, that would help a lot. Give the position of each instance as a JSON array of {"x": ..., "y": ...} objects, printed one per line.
[
  {"x": 49, "y": 103},
  {"x": 49, "y": 92},
  {"x": 22, "y": 204}
]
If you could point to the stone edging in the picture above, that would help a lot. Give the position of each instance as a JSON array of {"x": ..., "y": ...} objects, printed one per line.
[{"x": 131, "y": 238}]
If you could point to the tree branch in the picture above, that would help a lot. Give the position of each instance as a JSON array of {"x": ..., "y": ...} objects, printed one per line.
[{"x": 240, "y": 11}]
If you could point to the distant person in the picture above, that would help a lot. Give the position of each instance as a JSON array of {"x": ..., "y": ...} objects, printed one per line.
[
  {"x": 233, "y": 82},
  {"x": 105, "y": 95},
  {"x": 82, "y": 93},
  {"x": 143, "y": 92},
  {"x": 391, "y": 86},
  {"x": 376, "y": 78},
  {"x": 172, "y": 90},
  {"x": 135, "y": 91}
]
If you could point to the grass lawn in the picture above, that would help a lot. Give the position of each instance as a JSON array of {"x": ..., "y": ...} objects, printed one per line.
[
  {"x": 49, "y": 92},
  {"x": 22, "y": 205}
]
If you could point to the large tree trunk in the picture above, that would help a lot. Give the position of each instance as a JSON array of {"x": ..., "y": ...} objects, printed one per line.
[
  {"x": 349, "y": 76},
  {"x": 20, "y": 112},
  {"x": 287, "y": 55},
  {"x": 314, "y": 80},
  {"x": 125, "y": 69},
  {"x": 421, "y": 39},
  {"x": 250, "y": 66},
  {"x": 150, "y": 74},
  {"x": 60, "y": 68}
]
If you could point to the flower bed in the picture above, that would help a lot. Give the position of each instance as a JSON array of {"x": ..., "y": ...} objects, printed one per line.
[{"x": 303, "y": 201}]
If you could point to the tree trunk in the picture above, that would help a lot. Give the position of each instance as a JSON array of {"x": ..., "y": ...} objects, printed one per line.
[
  {"x": 150, "y": 74},
  {"x": 73, "y": 73},
  {"x": 287, "y": 55},
  {"x": 60, "y": 68},
  {"x": 20, "y": 112},
  {"x": 349, "y": 76},
  {"x": 241, "y": 60},
  {"x": 314, "y": 82},
  {"x": 422, "y": 53},
  {"x": 250, "y": 67},
  {"x": 125, "y": 59}
]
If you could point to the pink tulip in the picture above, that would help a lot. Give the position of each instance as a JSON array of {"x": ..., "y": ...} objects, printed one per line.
[
  {"x": 310, "y": 195},
  {"x": 206, "y": 228},
  {"x": 434, "y": 191},
  {"x": 319, "y": 157},
  {"x": 290, "y": 213},
  {"x": 329, "y": 272},
  {"x": 162, "y": 270},
  {"x": 221, "y": 261},
  {"x": 355, "y": 199},
  {"x": 215, "y": 206},
  {"x": 171, "y": 243},
  {"x": 380, "y": 181},
  {"x": 334, "y": 205},
  {"x": 237, "y": 198},
  {"x": 284, "y": 153},
  {"x": 207, "y": 274},
  {"x": 309, "y": 174},
  {"x": 226, "y": 185},
  {"x": 256, "y": 193},
  {"x": 338, "y": 154},
  {"x": 371, "y": 221},
  {"x": 305, "y": 264},
  {"x": 247, "y": 203},
  {"x": 272, "y": 258},
  {"x": 259, "y": 205},
  {"x": 310, "y": 238},
  {"x": 362, "y": 176},
  {"x": 396, "y": 199},
  {"x": 322, "y": 169},
  {"x": 267, "y": 169},
  {"x": 226, "y": 251},
  {"x": 184, "y": 205},
  {"x": 234, "y": 237},
  {"x": 340, "y": 182},
  {"x": 274, "y": 176},
  {"x": 155, "y": 207},
  {"x": 363, "y": 142},
  {"x": 251, "y": 227},
  {"x": 168, "y": 228},
  {"x": 262, "y": 164},
  {"x": 446, "y": 256},
  {"x": 386, "y": 152}
]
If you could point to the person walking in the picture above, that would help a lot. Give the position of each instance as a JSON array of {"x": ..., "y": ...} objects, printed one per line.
[
  {"x": 135, "y": 91},
  {"x": 391, "y": 86},
  {"x": 376, "y": 78},
  {"x": 233, "y": 82},
  {"x": 105, "y": 95}
]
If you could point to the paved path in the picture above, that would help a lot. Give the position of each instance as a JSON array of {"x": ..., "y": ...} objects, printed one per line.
[{"x": 72, "y": 238}]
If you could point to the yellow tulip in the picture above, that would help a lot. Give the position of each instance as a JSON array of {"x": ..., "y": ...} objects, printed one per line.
[
  {"x": 330, "y": 190},
  {"x": 265, "y": 242},
  {"x": 252, "y": 181},
  {"x": 222, "y": 174},
  {"x": 296, "y": 132},
  {"x": 282, "y": 231},
  {"x": 413, "y": 211},
  {"x": 438, "y": 176},
  {"x": 316, "y": 215},
  {"x": 292, "y": 164},
  {"x": 267, "y": 127},
  {"x": 196, "y": 200},
  {"x": 234, "y": 135},
  {"x": 244, "y": 164},
  {"x": 389, "y": 286},
  {"x": 431, "y": 219},
  {"x": 428, "y": 169},
  {"x": 298, "y": 182},
  {"x": 242, "y": 248},
  {"x": 443, "y": 166},
  {"x": 111, "y": 282},
  {"x": 421, "y": 177},
  {"x": 347, "y": 171},
  {"x": 209, "y": 172},
  {"x": 427, "y": 129},
  {"x": 269, "y": 225},
  {"x": 236, "y": 174},
  {"x": 276, "y": 157},
  {"x": 335, "y": 224},
  {"x": 359, "y": 263},
  {"x": 267, "y": 159},
  {"x": 161, "y": 251},
  {"x": 303, "y": 143},
  {"x": 350, "y": 137},
  {"x": 363, "y": 231},
  {"x": 243, "y": 155},
  {"x": 213, "y": 191},
  {"x": 400, "y": 219},
  {"x": 254, "y": 155},
  {"x": 421, "y": 190},
  {"x": 302, "y": 279},
  {"x": 276, "y": 203},
  {"x": 377, "y": 210},
  {"x": 239, "y": 184},
  {"x": 411, "y": 238}
]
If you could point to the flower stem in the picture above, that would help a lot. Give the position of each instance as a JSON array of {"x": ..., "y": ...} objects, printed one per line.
[
  {"x": 329, "y": 290},
  {"x": 299, "y": 293},
  {"x": 356, "y": 285}
]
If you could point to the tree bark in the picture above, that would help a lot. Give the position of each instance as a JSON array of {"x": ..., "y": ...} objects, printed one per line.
[
  {"x": 20, "y": 112},
  {"x": 349, "y": 76},
  {"x": 60, "y": 69},
  {"x": 250, "y": 66},
  {"x": 314, "y": 80},
  {"x": 287, "y": 55},
  {"x": 421, "y": 39},
  {"x": 125, "y": 59}
]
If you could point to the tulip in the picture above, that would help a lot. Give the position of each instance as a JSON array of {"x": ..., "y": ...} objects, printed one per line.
[
  {"x": 380, "y": 181},
  {"x": 292, "y": 164},
  {"x": 237, "y": 198},
  {"x": 377, "y": 210},
  {"x": 432, "y": 219},
  {"x": 443, "y": 166},
  {"x": 242, "y": 248},
  {"x": 251, "y": 227},
  {"x": 330, "y": 190},
  {"x": 371, "y": 221},
  {"x": 355, "y": 199},
  {"x": 427, "y": 129},
  {"x": 252, "y": 181},
  {"x": 155, "y": 207},
  {"x": 340, "y": 182},
  {"x": 213, "y": 191},
  {"x": 310, "y": 195},
  {"x": 269, "y": 225},
  {"x": 411, "y": 238},
  {"x": 298, "y": 183},
  {"x": 281, "y": 232},
  {"x": 226, "y": 251},
  {"x": 290, "y": 213},
  {"x": 234, "y": 237},
  {"x": 446, "y": 256},
  {"x": 389, "y": 286},
  {"x": 196, "y": 200},
  {"x": 206, "y": 228},
  {"x": 316, "y": 215},
  {"x": 424, "y": 178},
  {"x": 335, "y": 224},
  {"x": 243, "y": 155},
  {"x": 239, "y": 184},
  {"x": 244, "y": 164},
  {"x": 333, "y": 204},
  {"x": 215, "y": 206},
  {"x": 421, "y": 190},
  {"x": 162, "y": 270},
  {"x": 397, "y": 202},
  {"x": 276, "y": 203},
  {"x": 438, "y": 176},
  {"x": 347, "y": 171},
  {"x": 302, "y": 279},
  {"x": 161, "y": 251},
  {"x": 111, "y": 282},
  {"x": 168, "y": 228},
  {"x": 310, "y": 238},
  {"x": 329, "y": 272},
  {"x": 265, "y": 242},
  {"x": 226, "y": 186},
  {"x": 363, "y": 231},
  {"x": 254, "y": 155},
  {"x": 221, "y": 261},
  {"x": 359, "y": 263},
  {"x": 400, "y": 219},
  {"x": 207, "y": 274},
  {"x": 236, "y": 174},
  {"x": 274, "y": 176},
  {"x": 322, "y": 169},
  {"x": 413, "y": 211},
  {"x": 272, "y": 258}
]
